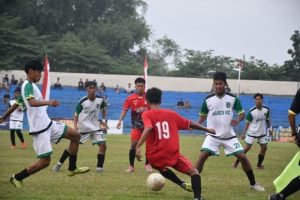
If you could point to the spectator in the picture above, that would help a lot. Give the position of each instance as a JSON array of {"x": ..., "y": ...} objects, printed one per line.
[
  {"x": 86, "y": 83},
  {"x": 187, "y": 104},
  {"x": 96, "y": 83},
  {"x": 129, "y": 89},
  {"x": 5, "y": 79},
  {"x": 102, "y": 87},
  {"x": 20, "y": 82},
  {"x": 180, "y": 103},
  {"x": 57, "y": 85},
  {"x": 6, "y": 97},
  {"x": 13, "y": 81},
  {"x": 80, "y": 84},
  {"x": 117, "y": 89}
]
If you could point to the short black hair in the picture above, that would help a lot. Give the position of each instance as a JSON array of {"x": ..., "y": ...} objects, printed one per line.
[
  {"x": 90, "y": 83},
  {"x": 258, "y": 95},
  {"x": 153, "y": 95},
  {"x": 220, "y": 76},
  {"x": 34, "y": 65},
  {"x": 139, "y": 80}
]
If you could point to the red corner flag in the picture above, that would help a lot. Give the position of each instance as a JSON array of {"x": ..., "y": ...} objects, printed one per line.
[
  {"x": 46, "y": 80},
  {"x": 145, "y": 71}
]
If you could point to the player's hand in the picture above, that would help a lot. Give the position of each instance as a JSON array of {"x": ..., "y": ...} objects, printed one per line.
[
  {"x": 234, "y": 122},
  {"x": 243, "y": 137},
  {"x": 138, "y": 154},
  {"x": 20, "y": 108},
  {"x": 76, "y": 128},
  {"x": 211, "y": 131},
  {"x": 53, "y": 103},
  {"x": 119, "y": 125}
]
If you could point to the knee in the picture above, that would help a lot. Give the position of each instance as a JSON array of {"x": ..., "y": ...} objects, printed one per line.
[
  {"x": 242, "y": 158},
  {"x": 76, "y": 137},
  {"x": 103, "y": 147},
  {"x": 45, "y": 162}
]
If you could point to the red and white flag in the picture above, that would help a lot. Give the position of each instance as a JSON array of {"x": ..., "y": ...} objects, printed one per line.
[
  {"x": 146, "y": 72},
  {"x": 46, "y": 80}
]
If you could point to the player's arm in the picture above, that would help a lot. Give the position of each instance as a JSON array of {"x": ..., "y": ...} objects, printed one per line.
[
  {"x": 8, "y": 112},
  {"x": 122, "y": 116},
  {"x": 104, "y": 120},
  {"x": 243, "y": 136},
  {"x": 240, "y": 111},
  {"x": 197, "y": 126},
  {"x": 75, "y": 120},
  {"x": 146, "y": 132},
  {"x": 36, "y": 103},
  {"x": 293, "y": 111}
]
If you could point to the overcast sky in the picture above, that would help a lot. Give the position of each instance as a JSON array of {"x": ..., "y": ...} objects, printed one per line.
[{"x": 260, "y": 28}]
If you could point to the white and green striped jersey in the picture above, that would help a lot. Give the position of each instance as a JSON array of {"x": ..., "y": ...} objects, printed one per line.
[
  {"x": 17, "y": 115},
  {"x": 88, "y": 113},
  {"x": 37, "y": 116},
  {"x": 219, "y": 112},
  {"x": 258, "y": 121}
]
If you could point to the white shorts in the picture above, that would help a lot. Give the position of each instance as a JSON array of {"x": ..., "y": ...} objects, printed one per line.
[
  {"x": 42, "y": 142},
  {"x": 15, "y": 125},
  {"x": 212, "y": 146},
  {"x": 96, "y": 137},
  {"x": 262, "y": 140}
]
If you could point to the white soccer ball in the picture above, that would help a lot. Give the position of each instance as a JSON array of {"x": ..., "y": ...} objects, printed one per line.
[{"x": 155, "y": 181}]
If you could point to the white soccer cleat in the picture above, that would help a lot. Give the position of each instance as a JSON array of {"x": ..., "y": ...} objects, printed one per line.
[
  {"x": 257, "y": 187},
  {"x": 99, "y": 169},
  {"x": 57, "y": 167}
]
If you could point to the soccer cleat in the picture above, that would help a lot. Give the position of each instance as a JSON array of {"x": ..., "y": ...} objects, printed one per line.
[
  {"x": 275, "y": 197},
  {"x": 130, "y": 169},
  {"x": 187, "y": 187},
  {"x": 99, "y": 169},
  {"x": 78, "y": 170},
  {"x": 260, "y": 167},
  {"x": 13, "y": 147},
  {"x": 257, "y": 187},
  {"x": 15, "y": 182},
  {"x": 148, "y": 168},
  {"x": 23, "y": 145},
  {"x": 57, "y": 167}
]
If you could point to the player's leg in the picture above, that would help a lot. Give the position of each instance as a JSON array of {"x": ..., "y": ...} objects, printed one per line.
[
  {"x": 291, "y": 188},
  {"x": 12, "y": 139},
  {"x": 209, "y": 147},
  {"x": 60, "y": 130},
  {"x": 135, "y": 135},
  {"x": 20, "y": 136},
  {"x": 17, "y": 179},
  {"x": 185, "y": 166},
  {"x": 263, "y": 149},
  {"x": 99, "y": 138},
  {"x": 248, "y": 144},
  {"x": 233, "y": 147},
  {"x": 43, "y": 149}
]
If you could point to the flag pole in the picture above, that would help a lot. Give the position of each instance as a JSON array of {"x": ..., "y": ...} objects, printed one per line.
[
  {"x": 146, "y": 72},
  {"x": 241, "y": 65}
]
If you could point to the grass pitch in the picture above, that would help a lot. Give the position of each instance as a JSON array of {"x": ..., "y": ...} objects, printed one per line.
[{"x": 219, "y": 180}]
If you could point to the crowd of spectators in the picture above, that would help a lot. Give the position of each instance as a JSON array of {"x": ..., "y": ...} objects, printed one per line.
[{"x": 6, "y": 84}]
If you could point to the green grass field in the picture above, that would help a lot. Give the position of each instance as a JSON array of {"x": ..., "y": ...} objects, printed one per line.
[{"x": 219, "y": 180}]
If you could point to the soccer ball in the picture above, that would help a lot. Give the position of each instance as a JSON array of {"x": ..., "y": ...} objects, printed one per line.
[{"x": 155, "y": 181}]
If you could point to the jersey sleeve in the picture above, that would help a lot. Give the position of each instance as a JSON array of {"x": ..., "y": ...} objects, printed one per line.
[
  {"x": 20, "y": 101},
  {"x": 147, "y": 120},
  {"x": 126, "y": 104},
  {"x": 295, "y": 107},
  {"x": 28, "y": 91},
  {"x": 78, "y": 109},
  {"x": 204, "y": 109},
  {"x": 249, "y": 117},
  {"x": 182, "y": 123},
  {"x": 237, "y": 106}
]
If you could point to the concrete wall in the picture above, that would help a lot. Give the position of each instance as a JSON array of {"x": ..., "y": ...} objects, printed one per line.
[{"x": 170, "y": 83}]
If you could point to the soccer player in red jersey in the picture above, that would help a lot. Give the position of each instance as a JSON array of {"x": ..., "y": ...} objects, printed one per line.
[
  {"x": 162, "y": 142},
  {"x": 137, "y": 103}
]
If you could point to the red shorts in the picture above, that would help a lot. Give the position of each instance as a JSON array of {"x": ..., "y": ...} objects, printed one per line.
[
  {"x": 136, "y": 134},
  {"x": 183, "y": 164}
]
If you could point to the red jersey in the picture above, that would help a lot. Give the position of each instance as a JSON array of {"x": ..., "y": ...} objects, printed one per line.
[
  {"x": 162, "y": 144},
  {"x": 138, "y": 105}
]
